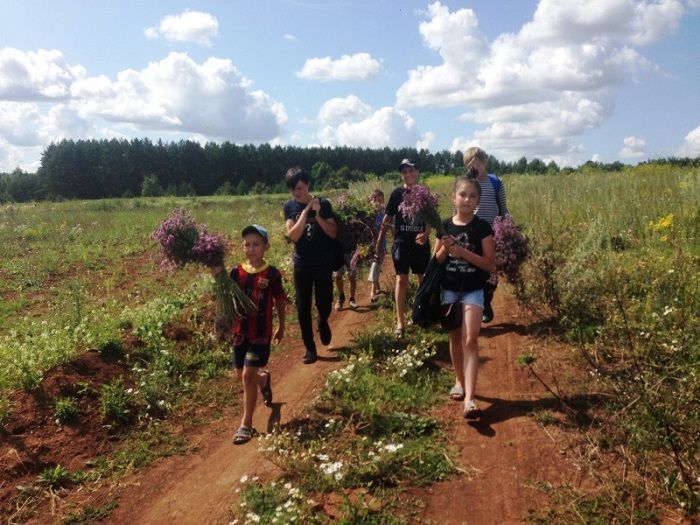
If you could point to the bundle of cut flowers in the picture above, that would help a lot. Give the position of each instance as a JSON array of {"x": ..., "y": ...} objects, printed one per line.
[
  {"x": 421, "y": 204},
  {"x": 364, "y": 253},
  {"x": 348, "y": 208},
  {"x": 181, "y": 240},
  {"x": 357, "y": 238},
  {"x": 511, "y": 249}
]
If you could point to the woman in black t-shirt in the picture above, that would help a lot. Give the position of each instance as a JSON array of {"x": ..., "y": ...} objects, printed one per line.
[
  {"x": 468, "y": 250},
  {"x": 312, "y": 228}
]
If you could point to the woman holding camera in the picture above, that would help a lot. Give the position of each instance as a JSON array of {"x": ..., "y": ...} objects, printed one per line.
[{"x": 312, "y": 228}]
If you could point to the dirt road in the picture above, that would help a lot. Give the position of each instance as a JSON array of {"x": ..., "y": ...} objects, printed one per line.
[
  {"x": 199, "y": 488},
  {"x": 507, "y": 453},
  {"x": 502, "y": 457}
]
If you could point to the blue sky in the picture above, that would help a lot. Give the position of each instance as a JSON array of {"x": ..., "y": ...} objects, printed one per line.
[{"x": 555, "y": 79}]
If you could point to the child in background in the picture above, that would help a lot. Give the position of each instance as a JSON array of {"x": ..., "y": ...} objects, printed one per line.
[
  {"x": 468, "y": 247},
  {"x": 492, "y": 204},
  {"x": 376, "y": 201},
  {"x": 349, "y": 246},
  {"x": 252, "y": 334}
]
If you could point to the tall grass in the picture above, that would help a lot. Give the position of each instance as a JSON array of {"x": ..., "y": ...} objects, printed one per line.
[
  {"x": 70, "y": 269},
  {"x": 615, "y": 267}
]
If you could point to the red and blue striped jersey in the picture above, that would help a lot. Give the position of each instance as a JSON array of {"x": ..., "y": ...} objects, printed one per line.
[{"x": 263, "y": 286}]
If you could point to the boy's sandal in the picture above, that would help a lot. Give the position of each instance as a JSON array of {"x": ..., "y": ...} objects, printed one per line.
[
  {"x": 398, "y": 332},
  {"x": 265, "y": 389},
  {"x": 243, "y": 435},
  {"x": 457, "y": 393}
]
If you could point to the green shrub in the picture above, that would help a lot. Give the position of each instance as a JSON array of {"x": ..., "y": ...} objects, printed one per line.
[
  {"x": 66, "y": 411},
  {"x": 116, "y": 402},
  {"x": 54, "y": 477}
]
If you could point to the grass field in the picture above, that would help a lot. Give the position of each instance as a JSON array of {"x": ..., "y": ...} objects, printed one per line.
[{"x": 614, "y": 270}]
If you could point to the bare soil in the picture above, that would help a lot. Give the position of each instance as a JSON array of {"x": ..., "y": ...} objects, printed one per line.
[
  {"x": 507, "y": 453},
  {"x": 502, "y": 457}
]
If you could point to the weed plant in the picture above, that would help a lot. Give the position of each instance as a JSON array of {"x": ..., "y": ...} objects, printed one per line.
[
  {"x": 66, "y": 411},
  {"x": 613, "y": 269},
  {"x": 54, "y": 477}
]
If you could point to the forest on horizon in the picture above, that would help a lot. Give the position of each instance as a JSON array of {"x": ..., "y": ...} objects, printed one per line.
[{"x": 95, "y": 169}]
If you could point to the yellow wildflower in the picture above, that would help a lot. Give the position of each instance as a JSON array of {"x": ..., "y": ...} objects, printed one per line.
[{"x": 663, "y": 223}]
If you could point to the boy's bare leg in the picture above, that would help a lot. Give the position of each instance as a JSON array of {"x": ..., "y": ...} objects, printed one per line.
[
  {"x": 252, "y": 380},
  {"x": 339, "y": 283},
  {"x": 353, "y": 285}
]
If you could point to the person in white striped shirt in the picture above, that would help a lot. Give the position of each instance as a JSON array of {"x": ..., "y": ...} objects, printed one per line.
[{"x": 491, "y": 205}]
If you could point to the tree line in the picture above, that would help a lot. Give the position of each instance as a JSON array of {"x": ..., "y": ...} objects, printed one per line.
[{"x": 94, "y": 169}]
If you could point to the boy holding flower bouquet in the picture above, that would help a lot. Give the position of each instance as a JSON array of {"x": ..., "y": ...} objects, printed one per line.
[
  {"x": 410, "y": 251},
  {"x": 252, "y": 334}
]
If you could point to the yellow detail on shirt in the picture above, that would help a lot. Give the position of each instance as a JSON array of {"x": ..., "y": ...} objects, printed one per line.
[{"x": 250, "y": 269}]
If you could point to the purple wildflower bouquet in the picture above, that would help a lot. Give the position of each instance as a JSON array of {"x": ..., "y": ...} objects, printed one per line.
[
  {"x": 182, "y": 241},
  {"x": 354, "y": 234},
  {"x": 421, "y": 204},
  {"x": 511, "y": 249}
]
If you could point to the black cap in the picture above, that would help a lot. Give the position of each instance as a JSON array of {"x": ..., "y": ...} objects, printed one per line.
[
  {"x": 407, "y": 162},
  {"x": 256, "y": 229}
]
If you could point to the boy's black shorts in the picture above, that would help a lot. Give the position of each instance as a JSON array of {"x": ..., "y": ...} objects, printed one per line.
[
  {"x": 413, "y": 257},
  {"x": 250, "y": 354}
]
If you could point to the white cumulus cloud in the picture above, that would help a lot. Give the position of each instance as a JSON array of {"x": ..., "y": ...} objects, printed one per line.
[
  {"x": 43, "y": 99},
  {"x": 536, "y": 90},
  {"x": 691, "y": 144},
  {"x": 633, "y": 148},
  {"x": 21, "y": 123},
  {"x": 360, "y": 66},
  {"x": 190, "y": 26},
  {"x": 351, "y": 122},
  {"x": 178, "y": 94},
  {"x": 35, "y": 76}
]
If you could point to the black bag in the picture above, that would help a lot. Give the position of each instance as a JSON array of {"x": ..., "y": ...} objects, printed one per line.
[
  {"x": 451, "y": 316},
  {"x": 338, "y": 255},
  {"x": 426, "y": 304}
]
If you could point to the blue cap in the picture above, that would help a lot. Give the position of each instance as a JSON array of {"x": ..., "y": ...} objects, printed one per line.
[{"x": 257, "y": 229}]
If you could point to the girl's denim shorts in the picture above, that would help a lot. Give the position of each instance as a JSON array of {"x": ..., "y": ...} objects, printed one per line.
[{"x": 473, "y": 297}]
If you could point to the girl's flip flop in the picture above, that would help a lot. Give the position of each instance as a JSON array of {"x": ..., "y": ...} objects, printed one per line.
[
  {"x": 457, "y": 393},
  {"x": 243, "y": 435}
]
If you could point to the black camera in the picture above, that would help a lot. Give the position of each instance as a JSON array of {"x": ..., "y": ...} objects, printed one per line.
[
  {"x": 312, "y": 214},
  {"x": 472, "y": 172}
]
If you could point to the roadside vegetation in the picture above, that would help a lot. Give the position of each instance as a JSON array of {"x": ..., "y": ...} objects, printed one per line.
[{"x": 614, "y": 274}]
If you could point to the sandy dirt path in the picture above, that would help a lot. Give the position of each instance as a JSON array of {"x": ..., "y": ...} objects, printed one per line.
[
  {"x": 200, "y": 488},
  {"x": 507, "y": 452},
  {"x": 503, "y": 456}
]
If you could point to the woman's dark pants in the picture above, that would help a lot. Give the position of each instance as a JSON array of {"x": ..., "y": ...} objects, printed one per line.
[{"x": 319, "y": 281}]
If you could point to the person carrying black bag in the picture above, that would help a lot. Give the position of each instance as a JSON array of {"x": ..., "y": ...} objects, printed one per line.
[{"x": 468, "y": 251}]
